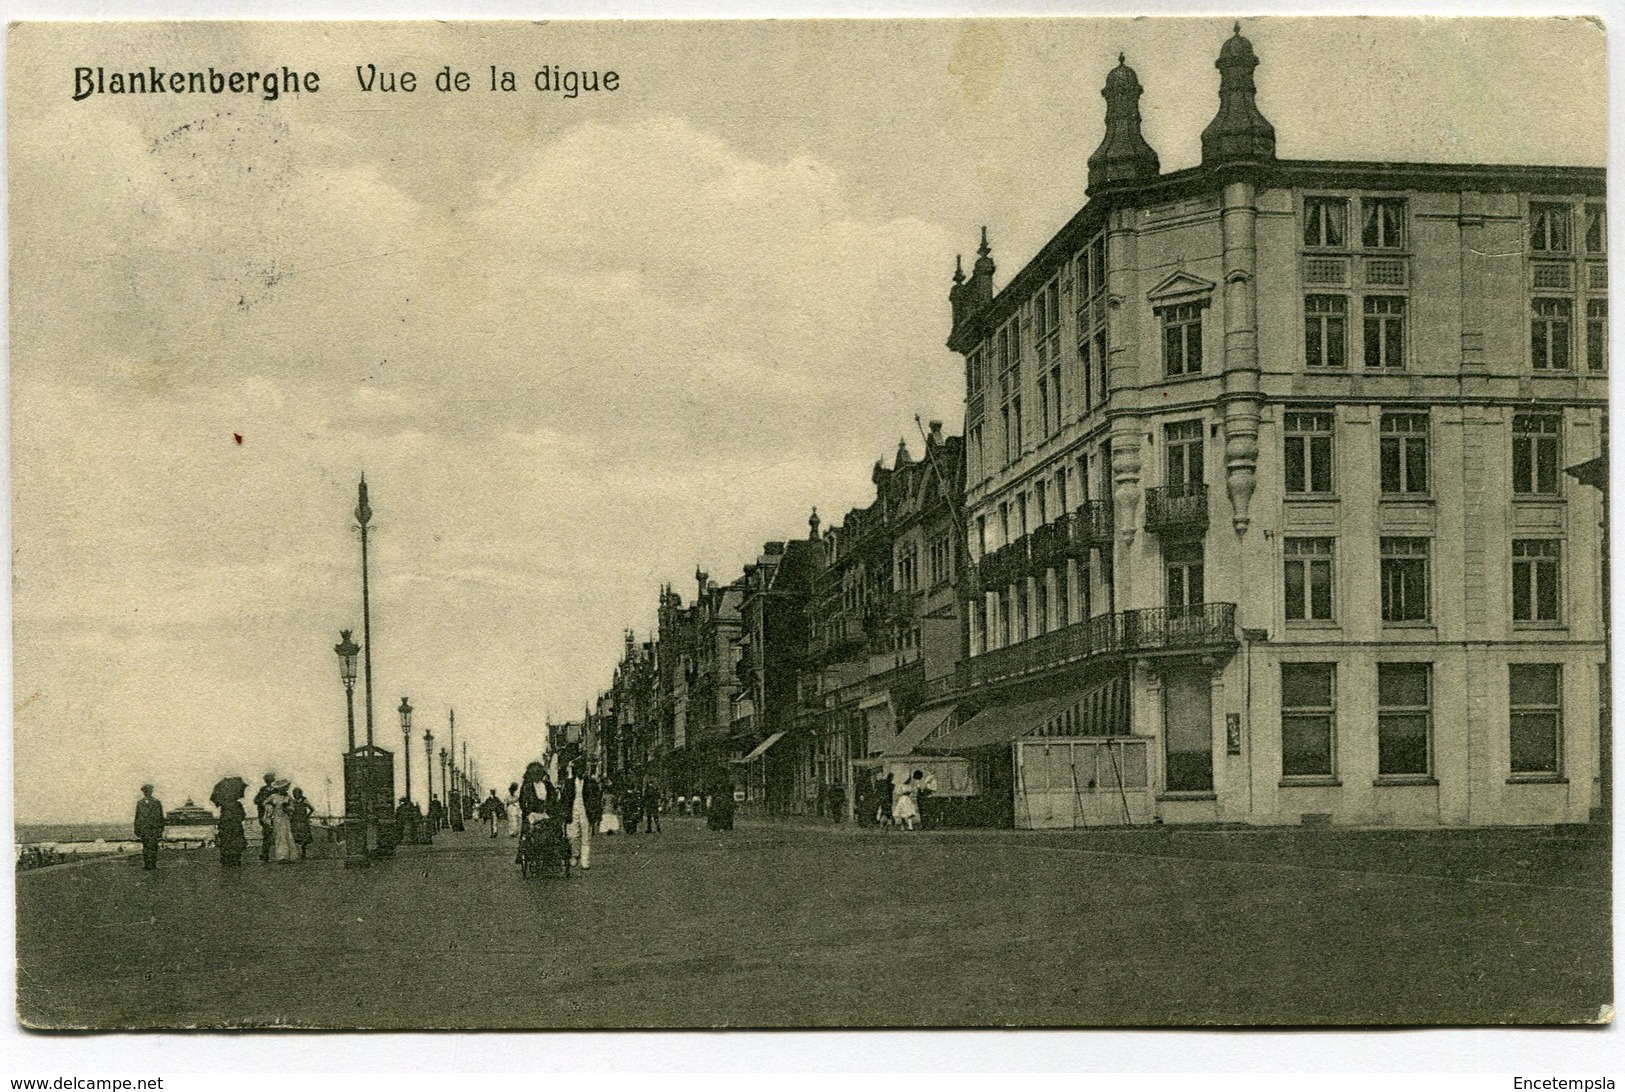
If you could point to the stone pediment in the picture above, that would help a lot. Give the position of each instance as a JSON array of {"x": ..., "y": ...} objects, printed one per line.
[{"x": 1181, "y": 287}]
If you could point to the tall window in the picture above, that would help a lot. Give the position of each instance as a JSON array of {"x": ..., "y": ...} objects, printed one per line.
[
  {"x": 1062, "y": 604},
  {"x": 1325, "y": 222},
  {"x": 1060, "y": 491},
  {"x": 1307, "y": 711},
  {"x": 1385, "y": 331},
  {"x": 981, "y": 536},
  {"x": 973, "y": 371},
  {"x": 1325, "y": 331},
  {"x": 1536, "y": 706},
  {"x": 1182, "y": 564},
  {"x": 1550, "y": 228},
  {"x": 1047, "y": 340},
  {"x": 1404, "y": 720},
  {"x": 1383, "y": 223},
  {"x": 941, "y": 560},
  {"x": 1004, "y": 524},
  {"x": 1535, "y": 453},
  {"x": 1021, "y": 610},
  {"x": 977, "y": 467},
  {"x": 1040, "y": 606},
  {"x": 1596, "y": 229},
  {"x": 1404, "y": 579},
  {"x": 1308, "y": 452},
  {"x": 1183, "y": 454},
  {"x": 1404, "y": 453},
  {"x": 1308, "y": 568},
  {"x": 1090, "y": 296},
  {"x": 1597, "y": 335},
  {"x": 1551, "y": 325},
  {"x": 1182, "y": 339},
  {"x": 1041, "y": 491},
  {"x": 1009, "y": 361},
  {"x": 1536, "y": 568}
]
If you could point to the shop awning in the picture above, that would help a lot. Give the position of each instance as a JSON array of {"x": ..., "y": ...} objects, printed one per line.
[
  {"x": 761, "y": 748},
  {"x": 1002, "y": 723},
  {"x": 917, "y": 731}
]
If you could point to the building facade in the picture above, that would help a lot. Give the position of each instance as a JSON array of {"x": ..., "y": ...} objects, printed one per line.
[{"x": 1264, "y": 489}]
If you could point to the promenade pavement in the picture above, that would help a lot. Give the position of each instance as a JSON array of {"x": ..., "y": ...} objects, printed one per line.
[{"x": 787, "y": 925}]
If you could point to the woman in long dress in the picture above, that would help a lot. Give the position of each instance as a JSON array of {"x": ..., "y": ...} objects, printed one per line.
[
  {"x": 299, "y": 812},
  {"x": 280, "y": 806},
  {"x": 905, "y": 812},
  {"x": 512, "y": 804},
  {"x": 228, "y": 797}
]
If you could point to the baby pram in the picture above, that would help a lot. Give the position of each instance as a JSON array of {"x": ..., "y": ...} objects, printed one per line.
[{"x": 543, "y": 848}]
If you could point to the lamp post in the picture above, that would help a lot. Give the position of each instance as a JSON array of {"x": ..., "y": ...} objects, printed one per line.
[
  {"x": 428, "y": 768},
  {"x": 354, "y": 834},
  {"x": 347, "y": 652},
  {"x": 406, "y": 743},
  {"x": 363, "y": 515},
  {"x": 445, "y": 787}
]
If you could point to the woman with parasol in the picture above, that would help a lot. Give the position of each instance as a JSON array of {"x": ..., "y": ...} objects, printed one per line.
[{"x": 228, "y": 797}]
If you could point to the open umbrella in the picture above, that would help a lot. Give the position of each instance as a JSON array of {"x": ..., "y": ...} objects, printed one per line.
[{"x": 227, "y": 789}]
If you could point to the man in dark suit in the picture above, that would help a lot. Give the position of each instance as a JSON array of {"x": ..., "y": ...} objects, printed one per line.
[
  {"x": 651, "y": 807},
  {"x": 264, "y": 820},
  {"x": 149, "y": 826}
]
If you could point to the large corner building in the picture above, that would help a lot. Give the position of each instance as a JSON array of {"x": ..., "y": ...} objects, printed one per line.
[{"x": 1265, "y": 491}]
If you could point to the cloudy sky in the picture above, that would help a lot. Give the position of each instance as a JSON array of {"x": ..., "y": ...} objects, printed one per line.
[{"x": 579, "y": 347}]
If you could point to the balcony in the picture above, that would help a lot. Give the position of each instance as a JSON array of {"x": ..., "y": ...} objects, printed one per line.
[
  {"x": 1207, "y": 628},
  {"x": 1049, "y": 542},
  {"x": 1199, "y": 627},
  {"x": 1177, "y": 510},
  {"x": 1091, "y": 525}
]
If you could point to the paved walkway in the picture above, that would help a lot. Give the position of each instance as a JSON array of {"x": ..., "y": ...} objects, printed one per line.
[{"x": 777, "y": 925}]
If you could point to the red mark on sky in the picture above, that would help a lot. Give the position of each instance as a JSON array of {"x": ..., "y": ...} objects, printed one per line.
[{"x": 237, "y": 436}]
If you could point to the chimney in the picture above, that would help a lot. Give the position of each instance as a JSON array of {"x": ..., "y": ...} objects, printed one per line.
[
  {"x": 1123, "y": 155},
  {"x": 1238, "y": 133}
]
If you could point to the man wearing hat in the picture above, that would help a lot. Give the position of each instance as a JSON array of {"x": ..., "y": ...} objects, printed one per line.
[
  {"x": 261, "y": 813},
  {"x": 149, "y": 826}
]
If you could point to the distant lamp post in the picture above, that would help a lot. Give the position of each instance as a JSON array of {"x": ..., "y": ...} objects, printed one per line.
[
  {"x": 406, "y": 743},
  {"x": 347, "y": 651},
  {"x": 428, "y": 768},
  {"x": 445, "y": 785}
]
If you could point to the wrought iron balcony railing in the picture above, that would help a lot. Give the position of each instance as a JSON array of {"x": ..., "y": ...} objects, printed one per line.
[
  {"x": 1201, "y": 627},
  {"x": 1092, "y": 525},
  {"x": 1177, "y": 509}
]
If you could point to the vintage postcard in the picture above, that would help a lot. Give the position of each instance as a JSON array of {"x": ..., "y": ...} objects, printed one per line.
[{"x": 898, "y": 523}]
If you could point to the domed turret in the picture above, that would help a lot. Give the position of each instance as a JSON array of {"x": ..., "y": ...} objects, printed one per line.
[
  {"x": 1123, "y": 155},
  {"x": 1238, "y": 133}
]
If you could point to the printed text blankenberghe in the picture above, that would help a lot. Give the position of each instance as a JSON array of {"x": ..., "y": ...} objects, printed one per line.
[{"x": 269, "y": 85}]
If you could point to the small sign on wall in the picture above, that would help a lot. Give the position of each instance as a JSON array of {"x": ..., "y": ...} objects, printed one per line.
[{"x": 1232, "y": 733}]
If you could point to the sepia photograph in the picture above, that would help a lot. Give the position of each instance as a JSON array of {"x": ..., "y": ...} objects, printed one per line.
[{"x": 1045, "y": 522}]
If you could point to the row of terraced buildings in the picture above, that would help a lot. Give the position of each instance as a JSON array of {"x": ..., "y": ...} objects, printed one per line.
[{"x": 1280, "y": 498}]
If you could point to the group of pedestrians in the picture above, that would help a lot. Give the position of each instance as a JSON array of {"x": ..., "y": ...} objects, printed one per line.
[
  {"x": 283, "y": 812},
  {"x": 896, "y": 803},
  {"x": 284, "y": 816}
]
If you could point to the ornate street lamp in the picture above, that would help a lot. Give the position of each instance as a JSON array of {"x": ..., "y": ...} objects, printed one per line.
[
  {"x": 406, "y": 743},
  {"x": 347, "y": 651},
  {"x": 428, "y": 765}
]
